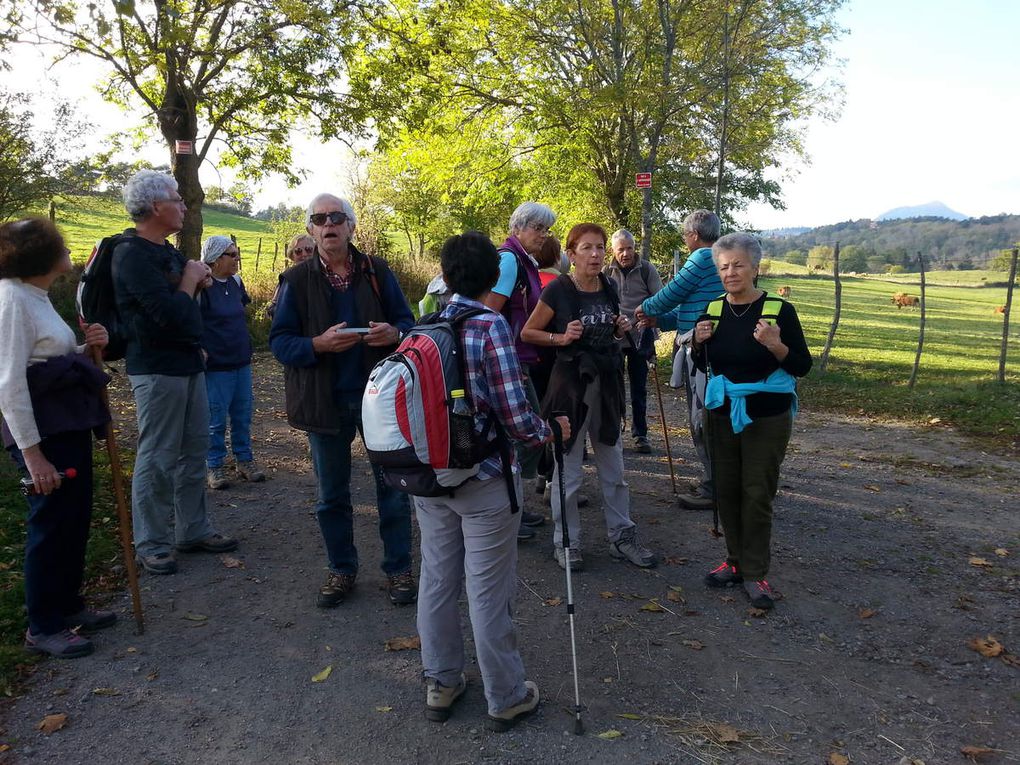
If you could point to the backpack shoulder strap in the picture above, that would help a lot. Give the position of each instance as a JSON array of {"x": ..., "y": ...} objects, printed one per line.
[
  {"x": 573, "y": 296},
  {"x": 610, "y": 289},
  {"x": 771, "y": 307},
  {"x": 714, "y": 308}
]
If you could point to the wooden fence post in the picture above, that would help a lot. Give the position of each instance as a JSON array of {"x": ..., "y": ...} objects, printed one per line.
[
  {"x": 920, "y": 334},
  {"x": 276, "y": 251},
  {"x": 1005, "y": 316},
  {"x": 835, "y": 316},
  {"x": 258, "y": 254}
]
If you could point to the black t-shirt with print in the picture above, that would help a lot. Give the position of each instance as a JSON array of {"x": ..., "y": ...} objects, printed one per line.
[{"x": 596, "y": 313}]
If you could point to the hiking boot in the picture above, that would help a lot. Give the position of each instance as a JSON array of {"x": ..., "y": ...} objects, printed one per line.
[
  {"x": 627, "y": 547},
  {"x": 724, "y": 576},
  {"x": 214, "y": 543},
  {"x": 335, "y": 590},
  {"x": 439, "y": 698},
  {"x": 525, "y": 533},
  {"x": 160, "y": 563},
  {"x": 760, "y": 593},
  {"x": 641, "y": 445},
  {"x": 540, "y": 484},
  {"x": 90, "y": 621},
  {"x": 249, "y": 471},
  {"x": 693, "y": 501},
  {"x": 64, "y": 644},
  {"x": 576, "y": 558},
  {"x": 532, "y": 519},
  {"x": 402, "y": 589},
  {"x": 505, "y": 720},
  {"x": 217, "y": 478}
]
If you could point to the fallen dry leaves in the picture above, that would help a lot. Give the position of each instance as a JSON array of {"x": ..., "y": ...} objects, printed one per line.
[
  {"x": 1002, "y": 552},
  {"x": 552, "y": 601},
  {"x": 724, "y": 734},
  {"x": 52, "y": 723},
  {"x": 757, "y": 613},
  {"x": 975, "y": 560},
  {"x": 653, "y": 607},
  {"x": 988, "y": 646},
  {"x": 412, "y": 643},
  {"x": 319, "y": 677},
  {"x": 229, "y": 561},
  {"x": 610, "y": 734},
  {"x": 976, "y": 753},
  {"x": 105, "y": 692},
  {"x": 835, "y": 758},
  {"x": 867, "y": 613},
  {"x": 695, "y": 645},
  {"x": 607, "y": 595}
]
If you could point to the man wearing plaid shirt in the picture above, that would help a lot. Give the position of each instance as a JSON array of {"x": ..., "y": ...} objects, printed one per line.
[{"x": 474, "y": 531}]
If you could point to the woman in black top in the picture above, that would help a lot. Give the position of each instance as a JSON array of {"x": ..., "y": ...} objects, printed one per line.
[
  {"x": 579, "y": 315},
  {"x": 745, "y": 339}
]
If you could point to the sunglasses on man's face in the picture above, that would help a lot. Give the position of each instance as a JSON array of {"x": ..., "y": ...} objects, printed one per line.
[{"x": 336, "y": 217}]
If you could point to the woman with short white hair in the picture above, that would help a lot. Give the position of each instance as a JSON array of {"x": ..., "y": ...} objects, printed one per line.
[
  {"x": 752, "y": 346},
  {"x": 515, "y": 296}
]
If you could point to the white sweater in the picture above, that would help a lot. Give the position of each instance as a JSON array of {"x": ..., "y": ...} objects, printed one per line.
[{"x": 31, "y": 331}]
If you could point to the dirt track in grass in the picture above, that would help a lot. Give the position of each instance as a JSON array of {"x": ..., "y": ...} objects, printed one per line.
[{"x": 893, "y": 547}]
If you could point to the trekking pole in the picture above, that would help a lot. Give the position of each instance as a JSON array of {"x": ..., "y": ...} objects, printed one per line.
[
  {"x": 558, "y": 454},
  {"x": 123, "y": 518},
  {"x": 653, "y": 363}
]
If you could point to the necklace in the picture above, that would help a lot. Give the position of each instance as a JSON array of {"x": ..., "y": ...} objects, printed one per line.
[
  {"x": 741, "y": 314},
  {"x": 577, "y": 284}
]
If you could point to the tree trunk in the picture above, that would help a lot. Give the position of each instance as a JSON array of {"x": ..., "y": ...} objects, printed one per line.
[
  {"x": 835, "y": 316},
  {"x": 178, "y": 121},
  {"x": 721, "y": 168},
  {"x": 920, "y": 333},
  {"x": 1005, "y": 317},
  {"x": 646, "y": 224}
]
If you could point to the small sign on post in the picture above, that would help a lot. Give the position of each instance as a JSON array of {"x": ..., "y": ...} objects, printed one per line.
[
  {"x": 643, "y": 180},
  {"x": 184, "y": 147}
]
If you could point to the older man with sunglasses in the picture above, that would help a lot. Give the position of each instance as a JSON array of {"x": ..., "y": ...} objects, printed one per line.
[{"x": 338, "y": 314}]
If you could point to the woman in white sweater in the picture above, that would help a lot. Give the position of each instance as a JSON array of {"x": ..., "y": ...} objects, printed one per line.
[{"x": 51, "y": 404}]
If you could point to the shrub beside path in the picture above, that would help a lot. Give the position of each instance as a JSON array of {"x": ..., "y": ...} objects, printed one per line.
[{"x": 894, "y": 548}]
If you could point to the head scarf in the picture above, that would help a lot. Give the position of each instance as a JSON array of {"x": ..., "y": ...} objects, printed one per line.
[{"x": 214, "y": 247}]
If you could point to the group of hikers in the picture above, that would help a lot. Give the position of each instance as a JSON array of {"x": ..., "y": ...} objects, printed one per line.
[{"x": 546, "y": 347}]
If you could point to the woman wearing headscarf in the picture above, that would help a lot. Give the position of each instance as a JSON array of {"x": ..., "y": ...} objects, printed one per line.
[
  {"x": 51, "y": 402},
  {"x": 228, "y": 379},
  {"x": 752, "y": 347},
  {"x": 579, "y": 315}
]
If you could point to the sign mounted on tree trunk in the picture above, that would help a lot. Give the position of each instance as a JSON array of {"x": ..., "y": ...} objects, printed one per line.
[
  {"x": 643, "y": 180},
  {"x": 184, "y": 147}
]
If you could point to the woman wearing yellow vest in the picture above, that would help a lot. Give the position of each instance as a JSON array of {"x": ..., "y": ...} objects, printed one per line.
[{"x": 753, "y": 348}]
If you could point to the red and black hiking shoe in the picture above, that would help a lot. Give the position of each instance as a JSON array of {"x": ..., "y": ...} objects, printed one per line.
[
  {"x": 761, "y": 594},
  {"x": 724, "y": 576}
]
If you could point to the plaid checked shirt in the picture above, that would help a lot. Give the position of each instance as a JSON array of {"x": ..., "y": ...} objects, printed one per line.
[{"x": 494, "y": 376}]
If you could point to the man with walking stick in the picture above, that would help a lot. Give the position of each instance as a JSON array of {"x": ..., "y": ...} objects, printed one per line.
[{"x": 677, "y": 306}]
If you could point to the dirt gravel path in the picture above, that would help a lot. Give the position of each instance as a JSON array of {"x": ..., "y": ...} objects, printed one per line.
[{"x": 893, "y": 547}]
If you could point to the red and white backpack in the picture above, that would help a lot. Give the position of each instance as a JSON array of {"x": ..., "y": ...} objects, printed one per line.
[{"x": 424, "y": 444}]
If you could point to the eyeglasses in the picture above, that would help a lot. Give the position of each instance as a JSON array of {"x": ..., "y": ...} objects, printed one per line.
[
  {"x": 309, "y": 248},
  {"x": 539, "y": 228},
  {"x": 172, "y": 200},
  {"x": 234, "y": 254},
  {"x": 336, "y": 217}
]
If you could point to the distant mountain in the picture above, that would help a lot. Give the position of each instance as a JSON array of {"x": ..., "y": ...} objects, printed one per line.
[
  {"x": 777, "y": 233},
  {"x": 929, "y": 210}
]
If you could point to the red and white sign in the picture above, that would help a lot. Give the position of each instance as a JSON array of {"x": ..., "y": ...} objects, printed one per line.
[
  {"x": 184, "y": 147},
  {"x": 643, "y": 180}
]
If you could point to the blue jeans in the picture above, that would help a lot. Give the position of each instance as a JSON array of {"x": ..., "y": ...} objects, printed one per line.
[
  {"x": 229, "y": 395},
  {"x": 58, "y": 531},
  {"x": 331, "y": 455},
  {"x": 637, "y": 375}
]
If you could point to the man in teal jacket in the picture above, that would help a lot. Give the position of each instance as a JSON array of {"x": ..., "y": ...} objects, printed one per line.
[{"x": 678, "y": 306}]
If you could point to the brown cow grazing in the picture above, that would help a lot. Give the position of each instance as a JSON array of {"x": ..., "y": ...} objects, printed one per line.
[
  {"x": 901, "y": 299},
  {"x": 1000, "y": 309},
  {"x": 784, "y": 292}
]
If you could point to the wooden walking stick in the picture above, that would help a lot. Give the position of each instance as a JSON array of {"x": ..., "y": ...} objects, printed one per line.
[
  {"x": 654, "y": 364},
  {"x": 123, "y": 517}
]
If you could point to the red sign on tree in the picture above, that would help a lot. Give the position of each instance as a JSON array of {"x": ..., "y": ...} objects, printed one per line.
[
  {"x": 643, "y": 180},
  {"x": 184, "y": 147}
]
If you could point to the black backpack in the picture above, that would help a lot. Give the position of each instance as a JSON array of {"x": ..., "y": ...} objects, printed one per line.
[{"x": 97, "y": 303}]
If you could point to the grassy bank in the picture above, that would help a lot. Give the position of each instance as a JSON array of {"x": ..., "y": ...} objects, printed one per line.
[
  {"x": 876, "y": 342},
  {"x": 103, "y": 553}
]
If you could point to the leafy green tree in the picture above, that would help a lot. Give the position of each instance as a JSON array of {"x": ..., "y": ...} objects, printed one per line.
[
  {"x": 819, "y": 257},
  {"x": 231, "y": 73},
  {"x": 796, "y": 257},
  {"x": 35, "y": 166},
  {"x": 853, "y": 258}
]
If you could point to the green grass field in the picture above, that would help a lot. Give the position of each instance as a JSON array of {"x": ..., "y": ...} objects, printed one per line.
[{"x": 876, "y": 342}]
